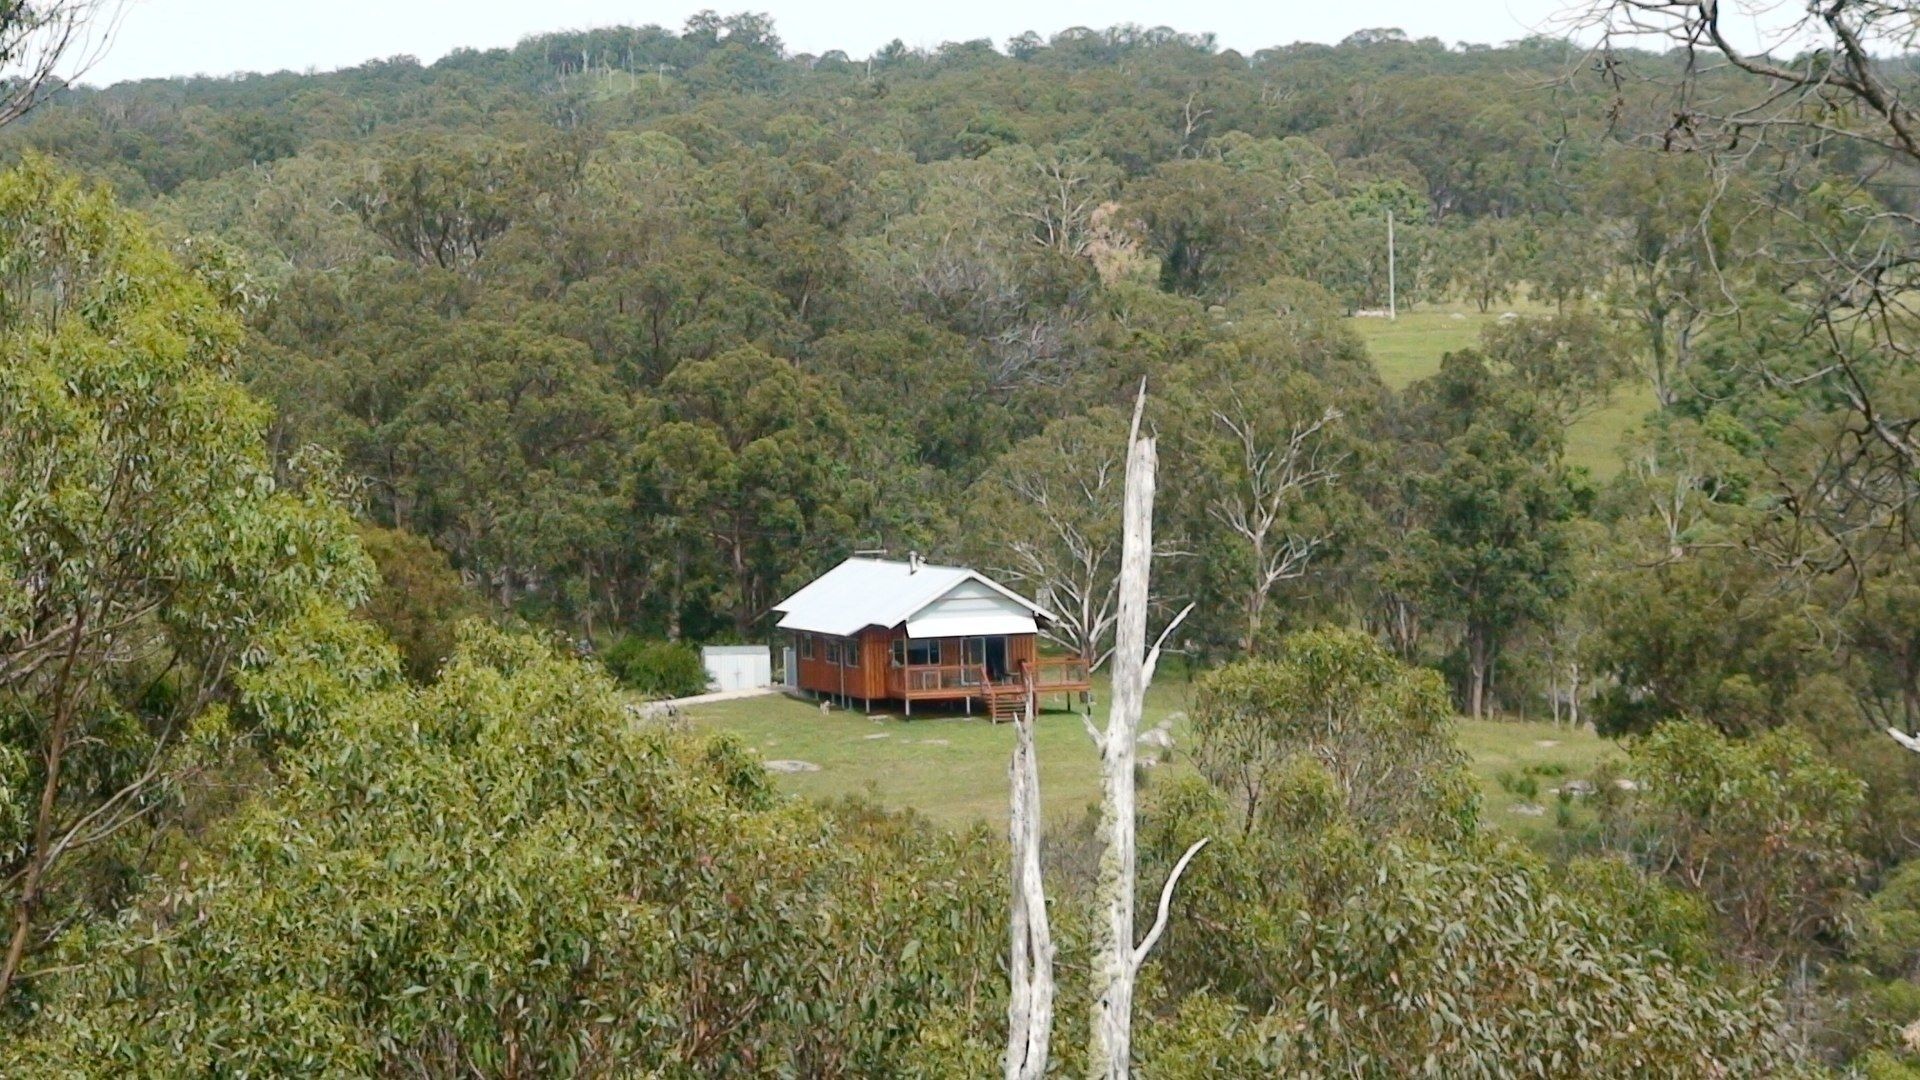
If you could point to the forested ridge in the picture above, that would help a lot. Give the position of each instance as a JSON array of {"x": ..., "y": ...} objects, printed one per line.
[{"x": 360, "y": 429}]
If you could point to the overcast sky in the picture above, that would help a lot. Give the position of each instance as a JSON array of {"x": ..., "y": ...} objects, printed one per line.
[{"x": 218, "y": 37}]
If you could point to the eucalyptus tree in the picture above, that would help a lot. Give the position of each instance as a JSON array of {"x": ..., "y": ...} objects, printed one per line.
[
  {"x": 1381, "y": 729},
  {"x": 1491, "y": 546},
  {"x": 500, "y": 873},
  {"x": 146, "y": 548},
  {"x": 748, "y": 465},
  {"x": 1763, "y": 828},
  {"x": 1571, "y": 363}
]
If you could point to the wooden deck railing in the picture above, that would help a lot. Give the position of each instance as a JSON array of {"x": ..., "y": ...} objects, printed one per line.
[
  {"x": 937, "y": 678},
  {"x": 1049, "y": 674},
  {"x": 1061, "y": 673}
]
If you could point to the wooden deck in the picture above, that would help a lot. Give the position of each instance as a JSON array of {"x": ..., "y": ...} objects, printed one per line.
[{"x": 970, "y": 683}]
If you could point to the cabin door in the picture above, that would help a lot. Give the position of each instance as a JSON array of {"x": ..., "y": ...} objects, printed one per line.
[{"x": 991, "y": 653}]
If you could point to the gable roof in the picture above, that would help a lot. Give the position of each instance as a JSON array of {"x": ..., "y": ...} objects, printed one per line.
[{"x": 864, "y": 592}]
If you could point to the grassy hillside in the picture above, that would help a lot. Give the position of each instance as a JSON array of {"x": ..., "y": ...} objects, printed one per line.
[
  {"x": 1409, "y": 348},
  {"x": 954, "y": 768}
]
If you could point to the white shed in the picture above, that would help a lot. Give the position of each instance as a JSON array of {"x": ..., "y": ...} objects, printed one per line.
[{"x": 738, "y": 667}]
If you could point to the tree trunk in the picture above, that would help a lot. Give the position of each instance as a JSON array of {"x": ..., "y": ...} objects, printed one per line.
[
  {"x": 1114, "y": 964},
  {"x": 743, "y": 612},
  {"x": 39, "y": 856},
  {"x": 1657, "y": 339},
  {"x": 676, "y": 594},
  {"x": 1256, "y": 617},
  {"x": 1476, "y": 672},
  {"x": 1030, "y": 955}
]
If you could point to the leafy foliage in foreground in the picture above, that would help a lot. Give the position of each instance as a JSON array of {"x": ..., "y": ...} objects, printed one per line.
[
  {"x": 501, "y": 874},
  {"x": 147, "y": 550},
  {"x": 1350, "y": 920},
  {"x": 498, "y": 874}
]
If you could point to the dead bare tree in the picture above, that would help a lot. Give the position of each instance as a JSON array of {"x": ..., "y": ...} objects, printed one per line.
[
  {"x": 1048, "y": 523},
  {"x": 1069, "y": 194},
  {"x": 1117, "y": 958},
  {"x": 1070, "y": 567},
  {"x": 1272, "y": 476},
  {"x": 47, "y": 43},
  {"x": 1192, "y": 121},
  {"x": 1030, "y": 956}
]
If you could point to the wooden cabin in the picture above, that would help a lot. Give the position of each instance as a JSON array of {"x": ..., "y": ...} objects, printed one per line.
[{"x": 884, "y": 630}]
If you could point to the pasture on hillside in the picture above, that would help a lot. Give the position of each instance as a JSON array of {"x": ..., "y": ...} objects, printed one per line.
[{"x": 1409, "y": 348}]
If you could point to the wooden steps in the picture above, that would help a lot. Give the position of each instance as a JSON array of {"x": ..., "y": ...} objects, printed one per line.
[{"x": 1006, "y": 702}]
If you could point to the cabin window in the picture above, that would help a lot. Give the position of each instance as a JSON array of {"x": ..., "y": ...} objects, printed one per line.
[
  {"x": 806, "y": 646},
  {"x": 850, "y": 653},
  {"x": 926, "y": 651},
  {"x": 833, "y": 651},
  {"x": 899, "y": 652}
]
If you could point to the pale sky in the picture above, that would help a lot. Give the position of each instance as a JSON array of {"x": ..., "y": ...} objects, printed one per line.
[{"x": 218, "y": 37}]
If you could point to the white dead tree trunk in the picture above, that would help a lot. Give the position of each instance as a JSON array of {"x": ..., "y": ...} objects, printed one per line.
[
  {"x": 1030, "y": 959},
  {"x": 1117, "y": 958}
]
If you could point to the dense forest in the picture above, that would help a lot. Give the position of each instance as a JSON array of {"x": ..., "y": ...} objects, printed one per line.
[{"x": 355, "y": 425}]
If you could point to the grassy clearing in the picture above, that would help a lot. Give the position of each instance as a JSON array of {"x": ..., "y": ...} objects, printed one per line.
[
  {"x": 1409, "y": 349},
  {"x": 954, "y": 768},
  {"x": 951, "y": 767},
  {"x": 1511, "y": 758}
]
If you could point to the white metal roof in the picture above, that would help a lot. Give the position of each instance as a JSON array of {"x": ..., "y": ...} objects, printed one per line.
[{"x": 883, "y": 592}]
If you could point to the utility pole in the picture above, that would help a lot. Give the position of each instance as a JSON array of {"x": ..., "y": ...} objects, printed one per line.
[{"x": 1393, "y": 305}]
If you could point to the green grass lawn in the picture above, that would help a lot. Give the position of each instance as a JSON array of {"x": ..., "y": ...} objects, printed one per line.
[
  {"x": 954, "y": 768},
  {"x": 951, "y": 767},
  {"x": 1513, "y": 750},
  {"x": 1409, "y": 348}
]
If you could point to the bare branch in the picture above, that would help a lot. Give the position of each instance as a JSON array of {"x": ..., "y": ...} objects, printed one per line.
[
  {"x": 1166, "y": 902},
  {"x": 49, "y": 42},
  {"x": 1153, "y": 654}
]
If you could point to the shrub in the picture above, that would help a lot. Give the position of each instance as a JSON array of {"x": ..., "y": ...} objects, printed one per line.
[
  {"x": 1335, "y": 951},
  {"x": 1522, "y": 784},
  {"x": 657, "y": 668},
  {"x": 1762, "y": 828},
  {"x": 418, "y": 599}
]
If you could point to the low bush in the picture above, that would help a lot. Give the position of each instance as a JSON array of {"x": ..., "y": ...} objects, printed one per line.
[{"x": 657, "y": 668}]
